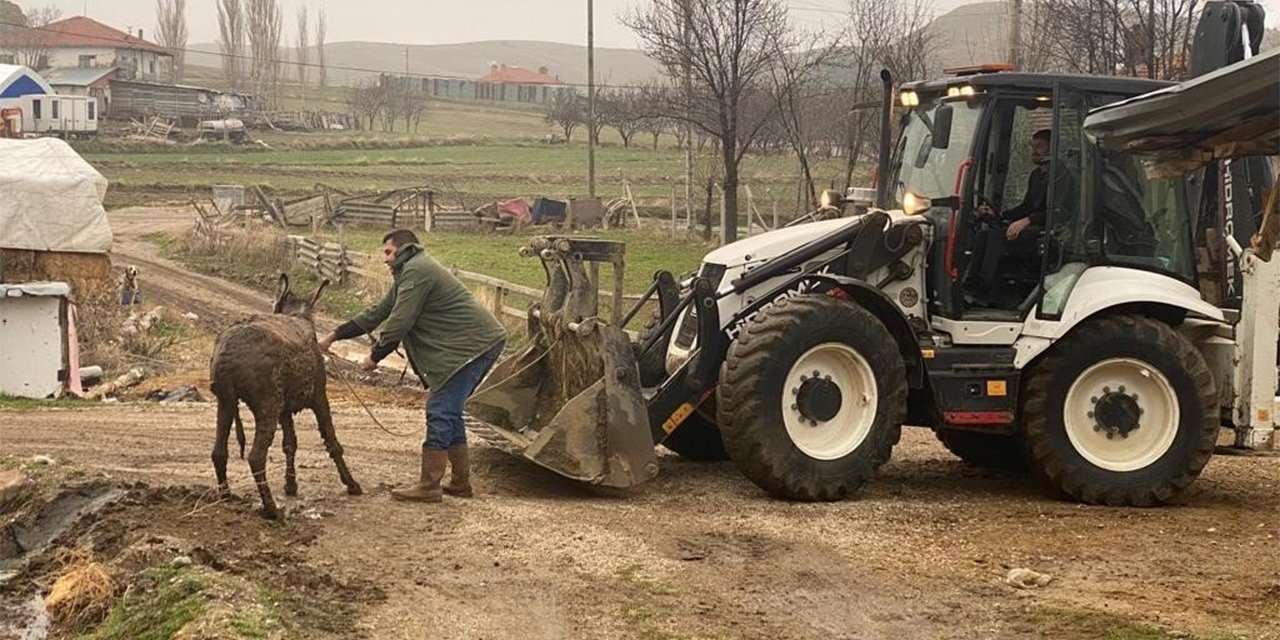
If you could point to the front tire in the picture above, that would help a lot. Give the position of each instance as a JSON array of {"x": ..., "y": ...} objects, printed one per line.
[
  {"x": 812, "y": 397},
  {"x": 1122, "y": 412}
]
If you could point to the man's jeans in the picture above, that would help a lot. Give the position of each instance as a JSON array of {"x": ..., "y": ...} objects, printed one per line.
[{"x": 445, "y": 428}]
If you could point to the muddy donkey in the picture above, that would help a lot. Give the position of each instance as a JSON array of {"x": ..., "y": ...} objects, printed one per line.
[{"x": 273, "y": 364}]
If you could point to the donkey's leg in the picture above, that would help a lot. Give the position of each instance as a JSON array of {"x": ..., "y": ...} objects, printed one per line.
[
  {"x": 263, "y": 433},
  {"x": 226, "y": 415},
  {"x": 290, "y": 447},
  {"x": 325, "y": 420}
]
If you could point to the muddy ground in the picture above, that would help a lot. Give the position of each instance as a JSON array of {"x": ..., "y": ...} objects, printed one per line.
[{"x": 698, "y": 553}]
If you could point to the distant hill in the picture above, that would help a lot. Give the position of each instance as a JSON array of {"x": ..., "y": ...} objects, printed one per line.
[
  {"x": 467, "y": 60},
  {"x": 969, "y": 34}
]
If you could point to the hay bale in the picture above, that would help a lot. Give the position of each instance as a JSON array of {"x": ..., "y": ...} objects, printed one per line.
[
  {"x": 83, "y": 592},
  {"x": 85, "y": 272}
]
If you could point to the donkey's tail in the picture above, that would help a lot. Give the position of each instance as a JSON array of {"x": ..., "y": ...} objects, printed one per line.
[{"x": 240, "y": 432}]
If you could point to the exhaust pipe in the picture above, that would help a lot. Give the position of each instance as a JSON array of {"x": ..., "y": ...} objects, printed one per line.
[{"x": 886, "y": 113}]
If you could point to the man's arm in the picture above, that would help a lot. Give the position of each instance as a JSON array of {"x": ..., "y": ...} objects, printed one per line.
[
  {"x": 365, "y": 322},
  {"x": 1034, "y": 201},
  {"x": 410, "y": 295}
]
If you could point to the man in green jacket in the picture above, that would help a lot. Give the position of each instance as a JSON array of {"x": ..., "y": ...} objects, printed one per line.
[{"x": 451, "y": 342}]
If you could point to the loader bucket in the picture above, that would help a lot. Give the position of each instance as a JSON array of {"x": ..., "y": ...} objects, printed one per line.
[{"x": 571, "y": 400}]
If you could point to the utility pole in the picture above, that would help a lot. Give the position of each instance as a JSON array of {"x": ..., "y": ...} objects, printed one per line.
[
  {"x": 591, "y": 100},
  {"x": 1015, "y": 33},
  {"x": 688, "y": 105}
]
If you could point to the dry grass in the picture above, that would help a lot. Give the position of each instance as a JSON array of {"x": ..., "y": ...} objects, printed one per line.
[
  {"x": 253, "y": 248},
  {"x": 83, "y": 593}
]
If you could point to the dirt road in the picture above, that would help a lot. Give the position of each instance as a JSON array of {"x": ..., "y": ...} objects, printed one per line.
[
  {"x": 698, "y": 553},
  {"x": 701, "y": 553}
]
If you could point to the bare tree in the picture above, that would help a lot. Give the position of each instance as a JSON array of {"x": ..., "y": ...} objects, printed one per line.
[
  {"x": 321, "y": 28},
  {"x": 619, "y": 109},
  {"x": 890, "y": 35},
  {"x": 231, "y": 41},
  {"x": 31, "y": 42},
  {"x": 172, "y": 32},
  {"x": 412, "y": 109},
  {"x": 567, "y": 112},
  {"x": 367, "y": 100},
  {"x": 797, "y": 87},
  {"x": 304, "y": 56},
  {"x": 264, "y": 21},
  {"x": 1144, "y": 38},
  {"x": 727, "y": 48}
]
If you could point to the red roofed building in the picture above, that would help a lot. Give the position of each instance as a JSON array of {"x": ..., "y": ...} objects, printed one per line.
[
  {"x": 506, "y": 82},
  {"x": 511, "y": 74},
  {"x": 82, "y": 42}
]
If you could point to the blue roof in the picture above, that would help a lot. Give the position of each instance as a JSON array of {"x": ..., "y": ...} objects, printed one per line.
[{"x": 16, "y": 82}]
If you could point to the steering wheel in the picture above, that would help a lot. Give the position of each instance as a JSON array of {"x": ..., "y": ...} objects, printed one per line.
[{"x": 985, "y": 222}]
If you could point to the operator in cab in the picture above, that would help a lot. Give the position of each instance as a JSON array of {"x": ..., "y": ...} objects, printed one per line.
[{"x": 1018, "y": 232}]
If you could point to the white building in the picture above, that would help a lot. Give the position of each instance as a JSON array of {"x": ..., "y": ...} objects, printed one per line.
[{"x": 84, "y": 43}]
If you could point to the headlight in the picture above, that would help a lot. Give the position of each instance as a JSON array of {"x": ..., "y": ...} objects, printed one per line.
[
  {"x": 910, "y": 99},
  {"x": 829, "y": 199},
  {"x": 913, "y": 204}
]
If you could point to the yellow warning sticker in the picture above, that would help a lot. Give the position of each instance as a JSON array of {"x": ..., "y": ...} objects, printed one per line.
[
  {"x": 678, "y": 416},
  {"x": 997, "y": 388}
]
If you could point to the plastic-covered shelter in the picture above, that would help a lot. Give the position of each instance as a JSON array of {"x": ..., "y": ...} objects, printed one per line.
[{"x": 17, "y": 81}]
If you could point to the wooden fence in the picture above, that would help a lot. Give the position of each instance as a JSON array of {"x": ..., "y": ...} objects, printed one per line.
[{"x": 328, "y": 259}]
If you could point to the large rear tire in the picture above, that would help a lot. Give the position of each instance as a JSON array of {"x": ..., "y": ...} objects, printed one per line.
[
  {"x": 985, "y": 450},
  {"x": 1122, "y": 412},
  {"x": 812, "y": 397},
  {"x": 698, "y": 438}
]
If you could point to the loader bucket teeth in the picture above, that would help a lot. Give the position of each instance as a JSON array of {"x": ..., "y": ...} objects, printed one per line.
[{"x": 571, "y": 400}]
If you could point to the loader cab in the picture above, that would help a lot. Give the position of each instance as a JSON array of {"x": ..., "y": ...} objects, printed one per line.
[{"x": 965, "y": 152}]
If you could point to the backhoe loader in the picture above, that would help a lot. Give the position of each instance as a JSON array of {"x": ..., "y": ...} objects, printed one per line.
[{"x": 1106, "y": 364}]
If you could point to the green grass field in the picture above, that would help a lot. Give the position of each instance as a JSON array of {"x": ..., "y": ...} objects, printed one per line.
[
  {"x": 471, "y": 153},
  {"x": 497, "y": 255}
]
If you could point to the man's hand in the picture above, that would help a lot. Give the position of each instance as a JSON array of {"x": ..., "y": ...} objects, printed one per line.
[
  {"x": 1017, "y": 227},
  {"x": 327, "y": 341},
  {"x": 368, "y": 364}
]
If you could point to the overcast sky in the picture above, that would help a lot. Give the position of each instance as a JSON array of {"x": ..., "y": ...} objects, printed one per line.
[{"x": 448, "y": 21}]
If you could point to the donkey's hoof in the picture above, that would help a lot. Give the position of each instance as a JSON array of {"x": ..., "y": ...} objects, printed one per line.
[
  {"x": 290, "y": 489},
  {"x": 354, "y": 489},
  {"x": 270, "y": 512}
]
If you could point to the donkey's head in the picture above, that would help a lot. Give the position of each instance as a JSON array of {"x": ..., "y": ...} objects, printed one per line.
[{"x": 291, "y": 305}]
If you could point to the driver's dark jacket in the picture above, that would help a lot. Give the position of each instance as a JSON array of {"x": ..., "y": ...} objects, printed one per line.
[{"x": 1034, "y": 202}]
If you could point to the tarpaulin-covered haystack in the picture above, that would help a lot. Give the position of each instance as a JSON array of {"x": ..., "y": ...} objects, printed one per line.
[{"x": 52, "y": 224}]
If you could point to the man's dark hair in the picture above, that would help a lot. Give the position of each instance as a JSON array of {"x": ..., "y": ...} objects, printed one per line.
[
  {"x": 401, "y": 237},
  {"x": 1043, "y": 134}
]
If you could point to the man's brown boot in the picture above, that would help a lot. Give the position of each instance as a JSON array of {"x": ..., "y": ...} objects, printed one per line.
[
  {"x": 428, "y": 487},
  {"x": 459, "y": 483}
]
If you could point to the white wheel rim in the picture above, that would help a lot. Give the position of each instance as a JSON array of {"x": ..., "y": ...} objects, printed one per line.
[
  {"x": 843, "y": 433},
  {"x": 1157, "y": 423}
]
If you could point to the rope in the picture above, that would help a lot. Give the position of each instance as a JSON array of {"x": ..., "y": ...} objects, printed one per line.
[{"x": 351, "y": 389}]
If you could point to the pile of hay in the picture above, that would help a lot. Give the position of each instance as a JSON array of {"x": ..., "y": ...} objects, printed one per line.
[{"x": 83, "y": 593}]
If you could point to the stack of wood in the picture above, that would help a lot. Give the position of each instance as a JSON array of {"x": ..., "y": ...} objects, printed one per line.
[{"x": 153, "y": 128}]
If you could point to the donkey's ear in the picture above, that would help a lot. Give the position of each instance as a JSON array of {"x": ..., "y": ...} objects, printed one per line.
[
  {"x": 316, "y": 296},
  {"x": 282, "y": 290},
  {"x": 283, "y": 286}
]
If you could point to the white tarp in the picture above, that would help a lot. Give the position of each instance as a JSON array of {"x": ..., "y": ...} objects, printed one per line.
[{"x": 50, "y": 198}]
